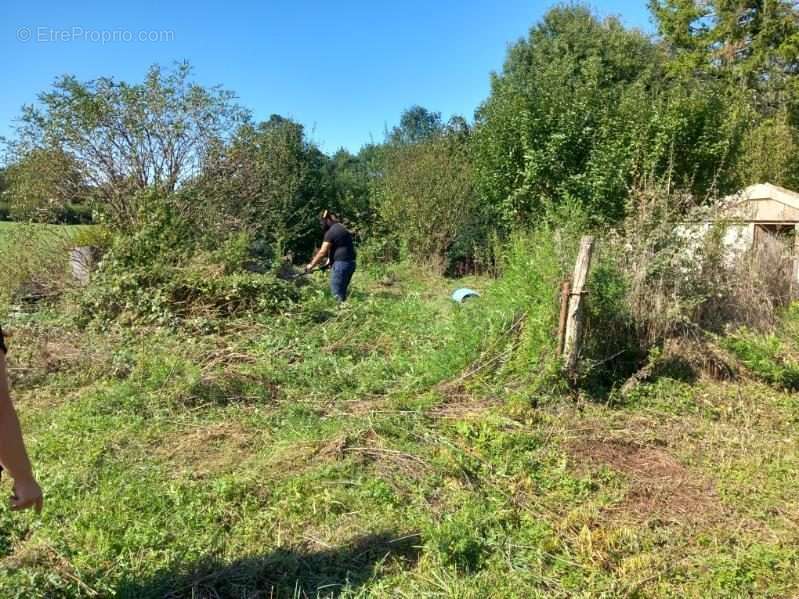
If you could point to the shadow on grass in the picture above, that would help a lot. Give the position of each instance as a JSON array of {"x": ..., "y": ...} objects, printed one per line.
[
  {"x": 282, "y": 573},
  {"x": 600, "y": 384}
]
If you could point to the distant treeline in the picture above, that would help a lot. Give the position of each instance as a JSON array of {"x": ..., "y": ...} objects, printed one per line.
[{"x": 583, "y": 112}]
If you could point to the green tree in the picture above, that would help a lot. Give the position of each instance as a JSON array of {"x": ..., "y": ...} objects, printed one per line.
[
  {"x": 352, "y": 181},
  {"x": 769, "y": 152},
  {"x": 43, "y": 185},
  {"x": 126, "y": 137},
  {"x": 585, "y": 108},
  {"x": 754, "y": 42},
  {"x": 749, "y": 48},
  {"x": 566, "y": 117},
  {"x": 4, "y": 210},
  {"x": 425, "y": 196},
  {"x": 270, "y": 181},
  {"x": 416, "y": 124}
]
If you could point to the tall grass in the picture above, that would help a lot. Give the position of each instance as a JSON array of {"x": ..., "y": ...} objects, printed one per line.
[
  {"x": 282, "y": 455},
  {"x": 509, "y": 334}
]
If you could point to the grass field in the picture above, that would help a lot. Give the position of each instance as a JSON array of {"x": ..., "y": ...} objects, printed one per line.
[
  {"x": 8, "y": 230},
  {"x": 360, "y": 451},
  {"x": 35, "y": 258}
]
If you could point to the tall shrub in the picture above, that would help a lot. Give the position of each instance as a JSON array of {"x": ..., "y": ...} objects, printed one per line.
[{"x": 426, "y": 197}]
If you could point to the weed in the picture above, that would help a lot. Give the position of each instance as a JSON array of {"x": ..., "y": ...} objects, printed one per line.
[
  {"x": 402, "y": 445},
  {"x": 766, "y": 357}
]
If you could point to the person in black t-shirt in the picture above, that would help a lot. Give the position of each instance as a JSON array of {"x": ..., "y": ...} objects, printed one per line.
[
  {"x": 13, "y": 457},
  {"x": 339, "y": 250}
]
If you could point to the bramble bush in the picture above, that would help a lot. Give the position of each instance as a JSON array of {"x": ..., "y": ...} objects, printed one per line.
[
  {"x": 165, "y": 295},
  {"x": 171, "y": 267}
]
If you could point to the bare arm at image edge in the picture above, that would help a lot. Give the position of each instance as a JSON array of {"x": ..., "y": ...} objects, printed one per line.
[{"x": 13, "y": 457}]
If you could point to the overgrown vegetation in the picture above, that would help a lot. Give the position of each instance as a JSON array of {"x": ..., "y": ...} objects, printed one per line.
[
  {"x": 206, "y": 427},
  {"x": 403, "y": 444},
  {"x": 582, "y": 111}
]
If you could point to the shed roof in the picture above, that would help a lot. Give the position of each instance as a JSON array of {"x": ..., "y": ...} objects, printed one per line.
[{"x": 765, "y": 203}]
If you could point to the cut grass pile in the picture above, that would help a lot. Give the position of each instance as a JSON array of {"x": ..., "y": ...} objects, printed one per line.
[{"x": 387, "y": 448}]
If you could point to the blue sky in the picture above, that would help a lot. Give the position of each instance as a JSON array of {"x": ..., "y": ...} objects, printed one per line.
[{"x": 345, "y": 69}]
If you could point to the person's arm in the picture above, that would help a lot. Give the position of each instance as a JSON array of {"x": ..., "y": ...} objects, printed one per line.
[
  {"x": 320, "y": 255},
  {"x": 13, "y": 456}
]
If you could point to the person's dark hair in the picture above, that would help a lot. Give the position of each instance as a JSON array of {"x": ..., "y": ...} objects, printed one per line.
[{"x": 327, "y": 219}]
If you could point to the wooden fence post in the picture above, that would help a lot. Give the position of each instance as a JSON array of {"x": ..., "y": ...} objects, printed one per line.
[
  {"x": 565, "y": 296},
  {"x": 575, "y": 317}
]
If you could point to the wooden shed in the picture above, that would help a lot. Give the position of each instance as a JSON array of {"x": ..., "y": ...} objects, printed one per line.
[
  {"x": 762, "y": 218},
  {"x": 765, "y": 211},
  {"x": 765, "y": 218}
]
